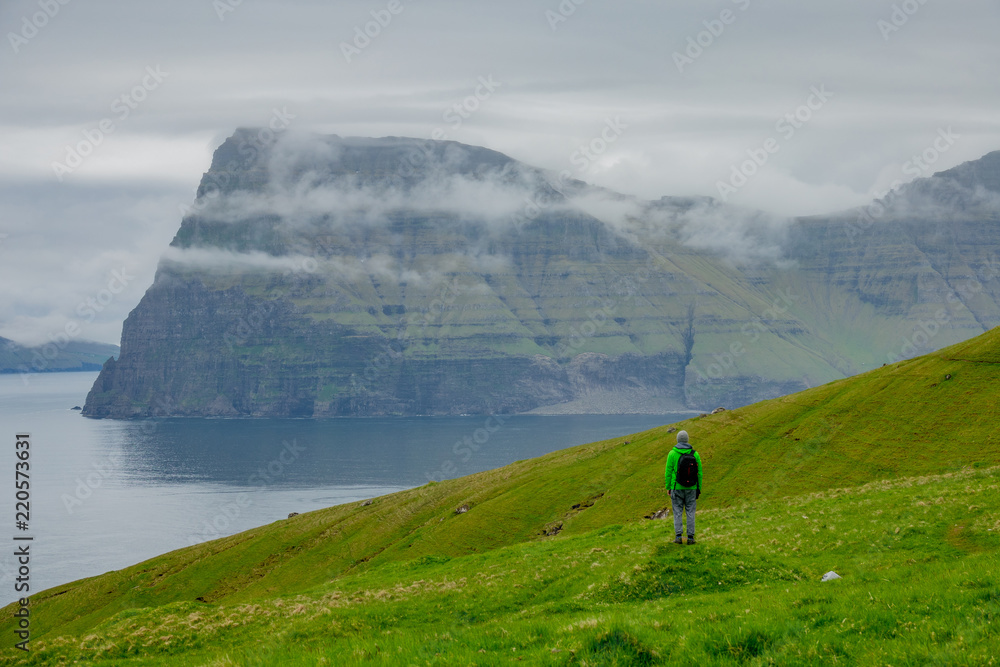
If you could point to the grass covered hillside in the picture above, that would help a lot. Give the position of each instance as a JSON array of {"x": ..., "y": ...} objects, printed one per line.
[{"x": 889, "y": 478}]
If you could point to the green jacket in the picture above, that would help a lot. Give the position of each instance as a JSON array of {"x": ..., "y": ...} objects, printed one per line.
[{"x": 671, "y": 473}]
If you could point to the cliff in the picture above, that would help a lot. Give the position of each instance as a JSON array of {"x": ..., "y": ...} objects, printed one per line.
[{"x": 325, "y": 276}]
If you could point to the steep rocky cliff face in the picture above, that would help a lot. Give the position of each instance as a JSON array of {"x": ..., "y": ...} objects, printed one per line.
[{"x": 320, "y": 276}]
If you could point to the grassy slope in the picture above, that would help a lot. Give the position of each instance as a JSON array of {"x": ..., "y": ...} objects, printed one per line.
[
  {"x": 917, "y": 555},
  {"x": 900, "y": 420}
]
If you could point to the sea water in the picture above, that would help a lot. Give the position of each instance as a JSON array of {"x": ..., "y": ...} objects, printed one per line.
[{"x": 107, "y": 494}]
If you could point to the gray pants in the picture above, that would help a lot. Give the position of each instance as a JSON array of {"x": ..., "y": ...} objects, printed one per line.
[{"x": 683, "y": 501}]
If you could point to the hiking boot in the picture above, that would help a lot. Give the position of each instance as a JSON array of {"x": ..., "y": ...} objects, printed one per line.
[
  {"x": 690, "y": 539},
  {"x": 677, "y": 540}
]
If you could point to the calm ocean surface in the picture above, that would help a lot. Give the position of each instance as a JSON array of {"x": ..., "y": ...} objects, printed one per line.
[{"x": 107, "y": 494}]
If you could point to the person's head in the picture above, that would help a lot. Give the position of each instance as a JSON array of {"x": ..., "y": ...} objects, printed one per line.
[{"x": 682, "y": 437}]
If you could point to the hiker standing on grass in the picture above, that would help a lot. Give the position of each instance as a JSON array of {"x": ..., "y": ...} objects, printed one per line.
[{"x": 683, "y": 484}]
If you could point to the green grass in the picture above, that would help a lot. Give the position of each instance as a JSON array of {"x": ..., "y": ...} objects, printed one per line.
[
  {"x": 748, "y": 593},
  {"x": 889, "y": 478}
]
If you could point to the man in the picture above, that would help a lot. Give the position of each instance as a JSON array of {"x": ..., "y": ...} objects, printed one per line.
[{"x": 683, "y": 477}]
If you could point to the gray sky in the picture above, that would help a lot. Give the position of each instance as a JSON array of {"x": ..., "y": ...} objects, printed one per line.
[{"x": 191, "y": 71}]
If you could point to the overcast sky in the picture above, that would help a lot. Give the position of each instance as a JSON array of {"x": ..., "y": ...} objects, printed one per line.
[{"x": 171, "y": 80}]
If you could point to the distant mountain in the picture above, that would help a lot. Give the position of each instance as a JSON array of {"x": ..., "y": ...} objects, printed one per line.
[
  {"x": 73, "y": 356},
  {"x": 320, "y": 276}
]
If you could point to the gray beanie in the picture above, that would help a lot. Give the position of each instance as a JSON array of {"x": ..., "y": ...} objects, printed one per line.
[{"x": 682, "y": 436}]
